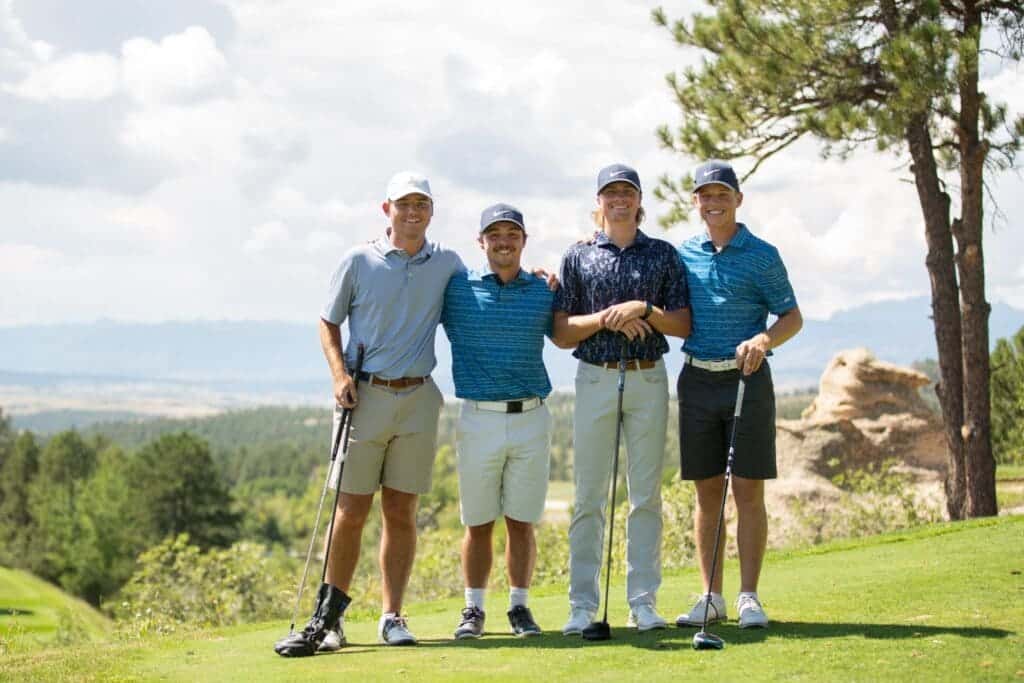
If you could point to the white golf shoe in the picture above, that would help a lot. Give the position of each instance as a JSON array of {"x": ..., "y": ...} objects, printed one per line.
[
  {"x": 695, "y": 617},
  {"x": 751, "y": 612},
  {"x": 579, "y": 619},
  {"x": 335, "y": 638},
  {"x": 645, "y": 618}
]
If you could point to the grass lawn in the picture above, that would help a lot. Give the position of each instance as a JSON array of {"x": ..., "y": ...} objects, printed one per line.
[
  {"x": 938, "y": 603},
  {"x": 33, "y": 613}
]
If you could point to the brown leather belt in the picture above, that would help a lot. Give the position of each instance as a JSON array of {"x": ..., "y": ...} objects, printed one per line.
[
  {"x": 630, "y": 364},
  {"x": 399, "y": 383}
]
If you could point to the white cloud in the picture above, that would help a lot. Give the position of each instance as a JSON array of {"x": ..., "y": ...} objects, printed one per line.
[
  {"x": 74, "y": 77},
  {"x": 183, "y": 66},
  {"x": 267, "y": 236},
  {"x": 22, "y": 259}
]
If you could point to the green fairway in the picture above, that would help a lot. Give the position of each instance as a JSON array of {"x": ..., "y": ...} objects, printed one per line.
[
  {"x": 938, "y": 603},
  {"x": 34, "y": 613}
]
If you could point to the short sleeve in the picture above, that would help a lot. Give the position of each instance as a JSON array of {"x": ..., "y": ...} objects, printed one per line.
[
  {"x": 567, "y": 298},
  {"x": 775, "y": 287},
  {"x": 341, "y": 291}
]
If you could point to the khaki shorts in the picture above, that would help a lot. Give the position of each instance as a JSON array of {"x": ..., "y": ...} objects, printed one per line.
[
  {"x": 502, "y": 464},
  {"x": 393, "y": 439}
]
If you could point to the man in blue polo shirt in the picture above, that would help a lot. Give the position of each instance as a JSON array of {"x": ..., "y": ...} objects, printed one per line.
[
  {"x": 496, "y": 320},
  {"x": 735, "y": 281},
  {"x": 622, "y": 283}
]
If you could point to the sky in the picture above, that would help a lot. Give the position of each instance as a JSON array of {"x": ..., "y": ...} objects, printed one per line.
[{"x": 213, "y": 159}]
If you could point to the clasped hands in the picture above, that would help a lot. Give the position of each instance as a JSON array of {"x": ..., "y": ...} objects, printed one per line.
[{"x": 625, "y": 318}]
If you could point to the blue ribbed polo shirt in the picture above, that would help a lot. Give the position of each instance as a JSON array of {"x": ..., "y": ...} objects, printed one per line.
[
  {"x": 497, "y": 334},
  {"x": 392, "y": 302},
  {"x": 732, "y": 292}
]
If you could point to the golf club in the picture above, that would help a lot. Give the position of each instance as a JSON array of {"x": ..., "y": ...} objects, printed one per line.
[
  {"x": 343, "y": 426},
  {"x": 600, "y": 630},
  {"x": 702, "y": 640}
]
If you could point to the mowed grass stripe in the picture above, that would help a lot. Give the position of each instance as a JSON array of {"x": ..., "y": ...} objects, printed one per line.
[{"x": 938, "y": 603}]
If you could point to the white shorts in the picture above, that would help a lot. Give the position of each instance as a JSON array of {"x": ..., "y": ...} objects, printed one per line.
[{"x": 502, "y": 464}]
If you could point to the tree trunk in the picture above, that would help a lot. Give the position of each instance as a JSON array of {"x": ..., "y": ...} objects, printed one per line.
[
  {"x": 945, "y": 308},
  {"x": 976, "y": 429}
]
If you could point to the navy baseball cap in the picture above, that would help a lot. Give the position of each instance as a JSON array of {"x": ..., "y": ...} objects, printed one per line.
[
  {"x": 715, "y": 171},
  {"x": 618, "y": 173},
  {"x": 501, "y": 212}
]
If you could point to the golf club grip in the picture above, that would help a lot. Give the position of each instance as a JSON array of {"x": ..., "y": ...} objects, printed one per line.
[{"x": 739, "y": 397}]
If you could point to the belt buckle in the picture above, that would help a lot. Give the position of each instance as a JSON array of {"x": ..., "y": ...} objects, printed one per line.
[{"x": 515, "y": 406}]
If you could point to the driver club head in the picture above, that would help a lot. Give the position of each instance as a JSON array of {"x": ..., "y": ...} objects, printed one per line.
[
  {"x": 702, "y": 640},
  {"x": 599, "y": 630}
]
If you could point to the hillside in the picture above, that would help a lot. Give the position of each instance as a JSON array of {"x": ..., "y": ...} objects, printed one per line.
[
  {"x": 34, "y": 613},
  {"x": 902, "y": 606}
]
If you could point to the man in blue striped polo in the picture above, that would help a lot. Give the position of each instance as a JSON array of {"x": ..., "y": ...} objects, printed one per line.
[
  {"x": 624, "y": 283},
  {"x": 735, "y": 281},
  {"x": 496, "y": 319}
]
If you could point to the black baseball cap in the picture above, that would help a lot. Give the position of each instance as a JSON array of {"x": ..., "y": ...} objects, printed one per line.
[
  {"x": 715, "y": 171},
  {"x": 618, "y": 173},
  {"x": 501, "y": 212}
]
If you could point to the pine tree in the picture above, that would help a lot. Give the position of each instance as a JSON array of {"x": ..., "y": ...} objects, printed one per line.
[{"x": 903, "y": 76}]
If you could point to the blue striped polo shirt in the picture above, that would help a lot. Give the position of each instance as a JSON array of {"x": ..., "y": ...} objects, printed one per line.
[
  {"x": 497, "y": 334},
  {"x": 732, "y": 292},
  {"x": 392, "y": 302}
]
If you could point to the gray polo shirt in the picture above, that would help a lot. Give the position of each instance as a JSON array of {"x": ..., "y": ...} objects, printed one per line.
[{"x": 392, "y": 302}]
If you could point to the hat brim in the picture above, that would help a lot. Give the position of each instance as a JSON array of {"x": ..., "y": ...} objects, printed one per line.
[
  {"x": 620, "y": 180},
  {"x": 406, "y": 191},
  {"x": 716, "y": 182},
  {"x": 502, "y": 219}
]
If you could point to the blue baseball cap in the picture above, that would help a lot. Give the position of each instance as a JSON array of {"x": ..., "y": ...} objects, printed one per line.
[
  {"x": 618, "y": 173},
  {"x": 715, "y": 171},
  {"x": 501, "y": 212}
]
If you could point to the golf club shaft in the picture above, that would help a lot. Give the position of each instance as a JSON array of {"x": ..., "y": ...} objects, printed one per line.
[
  {"x": 615, "y": 472},
  {"x": 341, "y": 466},
  {"x": 725, "y": 494},
  {"x": 343, "y": 424}
]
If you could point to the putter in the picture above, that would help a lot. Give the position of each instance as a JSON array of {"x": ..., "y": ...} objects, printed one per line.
[
  {"x": 702, "y": 640},
  {"x": 600, "y": 630},
  {"x": 344, "y": 425}
]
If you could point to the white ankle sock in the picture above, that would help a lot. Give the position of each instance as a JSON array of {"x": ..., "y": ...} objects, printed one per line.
[
  {"x": 518, "y": 596},
  {"x": 475, "y": 598}
]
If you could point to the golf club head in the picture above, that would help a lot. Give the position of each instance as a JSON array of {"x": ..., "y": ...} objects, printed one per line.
[
  {"x": 295, "y": 645},
  {"x": 702, "y": 640},
  {"x": 599, "y": 630}
]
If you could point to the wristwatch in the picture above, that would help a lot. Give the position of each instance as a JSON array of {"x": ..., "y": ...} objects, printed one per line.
[{"x": 647, "y": 313}]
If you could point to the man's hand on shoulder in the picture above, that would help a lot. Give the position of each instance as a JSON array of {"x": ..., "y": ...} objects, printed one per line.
[{"x": 550, "y": 278}]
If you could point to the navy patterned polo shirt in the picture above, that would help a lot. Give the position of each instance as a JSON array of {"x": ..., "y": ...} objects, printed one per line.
[{"x": 597, "y": 275}]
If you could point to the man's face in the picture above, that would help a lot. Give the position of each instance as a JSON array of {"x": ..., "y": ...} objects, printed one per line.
[
  {"x": 619, "y": 202},
  {"x": 717, "y": 204},
  {"x": 503, "y": 243},
  {"x": 410, "y": 215}
]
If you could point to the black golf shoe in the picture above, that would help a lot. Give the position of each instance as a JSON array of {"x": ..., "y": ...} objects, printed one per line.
[
  {"x": 330, "y": 603},
  {"x": 472, "y": 624},
  {"x": 522, "y": 622}
]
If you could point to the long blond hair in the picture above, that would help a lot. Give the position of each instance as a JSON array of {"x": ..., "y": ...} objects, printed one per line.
[{"x": 597, "y": 215}]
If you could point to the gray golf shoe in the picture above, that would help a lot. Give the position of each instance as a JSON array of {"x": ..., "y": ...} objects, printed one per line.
[{"x": 472, "y": 624}]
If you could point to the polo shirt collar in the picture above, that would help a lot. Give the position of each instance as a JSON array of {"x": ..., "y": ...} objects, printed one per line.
[
  {"x": 486, "y": 273},
  {"x": 739, "y": 239},
  {"x": 385, "y": 248},
  {"x": 641, "y": 240}
]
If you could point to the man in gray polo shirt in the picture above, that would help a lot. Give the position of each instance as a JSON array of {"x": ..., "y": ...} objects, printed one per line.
[{"x": 390, "y": 291}]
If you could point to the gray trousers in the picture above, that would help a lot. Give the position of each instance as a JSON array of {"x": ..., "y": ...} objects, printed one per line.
[{"x": 645, "y": 413}]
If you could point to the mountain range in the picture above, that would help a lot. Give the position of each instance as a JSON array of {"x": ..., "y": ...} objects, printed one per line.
[{"x": 281, "y": 362}]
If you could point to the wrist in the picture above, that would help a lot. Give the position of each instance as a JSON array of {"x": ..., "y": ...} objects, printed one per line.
[{"x": 648, "y": 309}]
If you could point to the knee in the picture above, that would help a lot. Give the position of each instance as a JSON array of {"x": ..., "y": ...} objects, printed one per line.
[
  {"x": 480, "y": 532},
  {"x": 748, "y": 494},
  {"x": 709, "y": 492},
  {"x": 352, "y": 511},
  {"x": 518, "y": 530},
  {"x": 398, "y": 509}
]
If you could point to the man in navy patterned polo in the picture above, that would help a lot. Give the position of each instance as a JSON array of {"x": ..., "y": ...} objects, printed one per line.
[
  {"x": 496, "y": 320},
  {"x": 735, "y": 281},
  {"x": 624, "y": 283}
]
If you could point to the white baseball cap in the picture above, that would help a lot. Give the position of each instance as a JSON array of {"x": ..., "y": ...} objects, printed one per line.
[{"x": 406, "y": 183}]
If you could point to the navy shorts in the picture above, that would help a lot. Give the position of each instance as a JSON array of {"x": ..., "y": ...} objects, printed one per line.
[{"x": 707, "y": 401}]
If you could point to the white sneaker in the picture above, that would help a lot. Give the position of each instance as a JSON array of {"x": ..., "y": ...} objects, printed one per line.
[
  {"x": 335, "y": 638},
  {"x": 695, "y": 617},
  {"x": 751, "y": 613},
  {"x": 393, "y": 630},
  {"x": 644, "y": 618},
  {"x": 579, "y": 619}
]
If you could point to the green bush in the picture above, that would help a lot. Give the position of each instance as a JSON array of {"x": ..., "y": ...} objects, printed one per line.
[{"x": 177, "y": 584}]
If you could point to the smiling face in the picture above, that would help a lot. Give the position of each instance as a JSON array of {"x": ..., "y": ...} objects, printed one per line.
[
  {"x": 717, "y": 204},
  {"x": 619, "y": 203},
  {"x": 409, "y": 216},
  {"x": 503, "y": 243}
]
